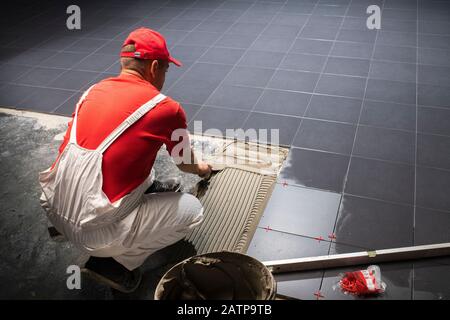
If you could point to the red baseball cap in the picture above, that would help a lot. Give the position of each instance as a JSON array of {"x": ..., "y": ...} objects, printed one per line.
[{"x": 149, "y": 44}]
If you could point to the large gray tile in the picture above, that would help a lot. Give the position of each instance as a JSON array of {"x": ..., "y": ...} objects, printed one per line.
[
  {"x": 391, "y": 91},
  {"x": 199, "y": 38},
  {"x": 300, "y": 285},
  {"x": 275, "y": 44},
  {"x": 364, "y": 36},
  {"x": 86, "y": 45},
  {"x": 283, "y": 127},
  {"x": 348, "y": 66},
  {"x": 393, "y": 71},
  {"x": 385, "y": 144},
  {"x": 249, "y": 76},
  {"x": 395, "y": 53},
  {"x": 10, "y": 72},
  {"x": 438, "y": 57},
  {"x": 391, "y": 38},
  {"x": 11, "y": 95},
  {"x": 381, "y": 180},
  {"x": 283, "y": 102},
  {"x": 431, "y": 278},
  {"x": 39, "y": 76},
  {"x": 433, "y": 120},
  {"x": 325, "y": 136},
  {"x": 434, "y": 27},
  {"x": 312, "y": 46},
  {"x": 222, "y": 55},
  {"x": 241, "y": 41},
  {"x": 282, "y": 31},
  {"x": 389, "y": 115},
  {"x": 303, "y": 62},
  {"x": 352, "y": 50},
  {"x": 397, "y": 276},
  {"x": 432, "y": 95},
  {"x": 315, "y": 169},
  {"x": 235, "y": 97},
  {"x": 218, "y": 119},
  {"x": 262, "y": 59},
  {"x": 244, "y": 28},
  {"x": 433, "y": 188},
  {"x": 436, "y": 75},
  {"x": 431, "y": 226},
  {"x": 373, "y": 224},
  {"x": 96, "y": 62},
  {"x": 45, "y": 99},
  {"x": 301, "y": 211},
  {"x": 434, "y": 41},
  {"x": 433, "y": 151},
  {"x": 74, "y": 80},
  {"x": 188, "y": 53},
  {"x": 294, "y": 80},
  {"x": 334, "y": 108},
  {"x": 341, "y": 86},
  {"x": 63, "y": 60},
  {"x": 318, "y": 32}
]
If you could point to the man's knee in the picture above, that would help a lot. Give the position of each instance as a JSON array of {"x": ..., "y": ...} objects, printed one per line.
[{"x": 192, "y": 208}]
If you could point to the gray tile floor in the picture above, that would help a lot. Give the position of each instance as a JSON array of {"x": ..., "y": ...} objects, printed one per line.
[{"x": 365, "y": 112}]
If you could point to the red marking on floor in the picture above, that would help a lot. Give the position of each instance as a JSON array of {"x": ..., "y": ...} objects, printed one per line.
[
  {"x": 267, "y": 228},
  {"x": 319, "y": 295},
  {"x": 284, "y": 184},
  {"x": 319, "y": 238},
  {"x": 332, "y": 236}
]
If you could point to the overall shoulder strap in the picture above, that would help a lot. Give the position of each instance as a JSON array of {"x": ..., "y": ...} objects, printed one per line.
[
  {"x": 73, "y": 131},
  {"x": 135, "y": 116}
]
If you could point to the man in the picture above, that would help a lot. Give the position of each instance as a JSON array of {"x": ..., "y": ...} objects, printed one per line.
[{"x": 94, "y": 194}]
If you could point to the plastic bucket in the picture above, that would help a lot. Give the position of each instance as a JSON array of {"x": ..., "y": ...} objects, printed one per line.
[{"x": 217, "y": 276}]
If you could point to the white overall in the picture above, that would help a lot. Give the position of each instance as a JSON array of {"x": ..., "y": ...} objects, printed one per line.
[{"x": 131, "y": 228}]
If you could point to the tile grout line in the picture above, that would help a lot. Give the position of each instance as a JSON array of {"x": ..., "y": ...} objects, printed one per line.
[
  {"x": 361, "y": 111},
  {"x": 285, "y": 54},
  {"x": 83, "y": 88},
  {"x": 238, "y": 61},
  {"x": 321, "y": 73}
]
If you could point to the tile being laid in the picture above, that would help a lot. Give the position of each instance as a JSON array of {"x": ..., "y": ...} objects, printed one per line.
[
  {"x": 314, "y": 169},
  {"x": 299, "y": 285},
  {"x": 372, "y": 225},
  {"x": 268, "y": 245},
  {"x": 301, "y": 211}
]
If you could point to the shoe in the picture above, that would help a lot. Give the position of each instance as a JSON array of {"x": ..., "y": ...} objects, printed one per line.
[
  {"x": 111, "y": 273},
  {"x": 169, "y": 185}
]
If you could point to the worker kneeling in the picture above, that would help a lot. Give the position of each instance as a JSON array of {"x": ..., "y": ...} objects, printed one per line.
[{"x": 94, "y": 194}]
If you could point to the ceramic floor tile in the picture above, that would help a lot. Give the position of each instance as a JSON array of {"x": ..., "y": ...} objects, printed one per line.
[
  {"x": 314, "y": 169},
  {"x": 249, "y": 76},
  {"x": 310, "y": 46},
  {"x": 395, "y": 53},
  {"x": 222, "y": 55},
  {"x": 391, "y": 38},
  {"x": 433, "y": 120},
  {"x": 274, "y": 44},
  {"x": 10, "y": 72},
  {"x": 364, "y": 36},
  {"x": 320, "y": 32},
  {"x": 294, "y": 80},
  {"x": 434, "y": 41},
  {"x": 45, "y": 99},
  {"x": 431, "y": 278},
  {"x": 393, "y": 71},
  {"x": 39, "y": 76},
  {"x": 431, "y": 95},
  {"x": 352, "y": 50},
  {"x": 96, "y": 62},
  {"x": 299, "y": 285},
  {"x": 347, "y": 66},
  {"x": 391, "y": 91},
  {"x": 63, "y": 60},
  {"x": 200, "y": 38},
  {"x": 301, "y": 211},
  {"x": 373, "y": 224},
  {"x": 385, "y": 144},
  {"x": 283, "y": 102},
  {"x": 268, "y": 245},
  {"x": 334, "y": 108},
  {"x": 218, "y": 119},
  {"x": 438, "y": 57},
  {"x": 388, "y": 181},
  {"x": 262, "y": 59},
  {"x": 341, "y": 86},
  {"x": 389, "y": 115},
  {"x": 433, "y": 188},
  {"x": 74, "y": 80},
  {"x": 236, "y": 41},
  {"x": 435, "y": 75},
  {"x": 303, "y": 62},
  {"x": 11, "y": 95},
  {"x": 274, "y": 127},
  {"x": 431, "y": 226},
  {"x": 433, "y": 151},
  {"x": 235, "y": 97},
  {"x": 325, "y": 136}
]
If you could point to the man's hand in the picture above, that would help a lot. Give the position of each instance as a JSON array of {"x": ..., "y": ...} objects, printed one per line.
[{"x": 204, "y": 170}]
